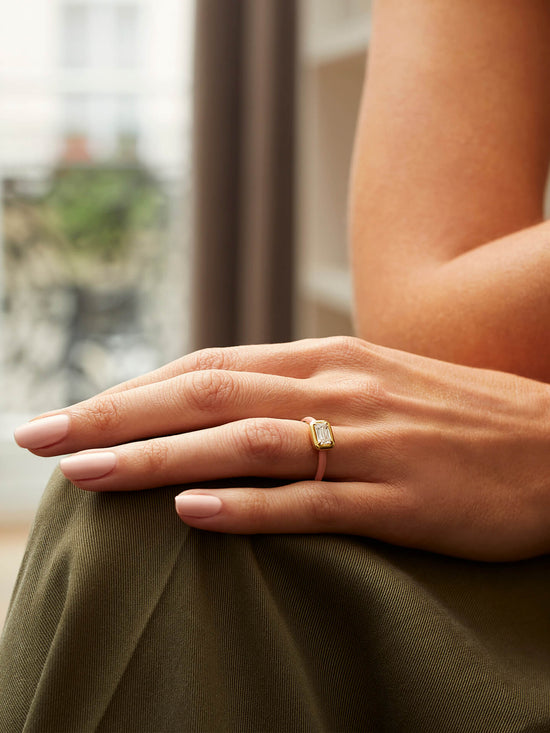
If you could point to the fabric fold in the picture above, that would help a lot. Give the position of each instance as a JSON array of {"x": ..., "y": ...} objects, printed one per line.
[{"x": 124, "y": 618}]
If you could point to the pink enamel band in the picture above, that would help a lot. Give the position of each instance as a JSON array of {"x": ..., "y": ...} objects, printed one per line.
[{"x": 322, "y": 439}]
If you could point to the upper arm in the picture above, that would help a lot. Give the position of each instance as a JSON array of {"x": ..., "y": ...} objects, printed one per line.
[{"x": 453, "y": 138}]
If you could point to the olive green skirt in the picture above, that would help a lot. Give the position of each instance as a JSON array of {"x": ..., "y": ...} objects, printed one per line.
[{"x": 124, "y": 619}]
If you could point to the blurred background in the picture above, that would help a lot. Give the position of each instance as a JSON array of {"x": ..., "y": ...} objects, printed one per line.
[
  {"x": 94, "y": 199},
  {"x": 95, "y": 137},
  {"x": 173, "y": 174}
]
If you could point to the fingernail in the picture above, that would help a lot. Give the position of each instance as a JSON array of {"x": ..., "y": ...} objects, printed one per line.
[
  {"x": 198, "y": 505},
  {"x": 88, "y": 465},
  {"x": 42, "y": 432}
]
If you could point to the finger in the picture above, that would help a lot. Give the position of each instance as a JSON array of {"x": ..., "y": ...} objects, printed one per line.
[
  {"x": 194, "y": 401},
  {"x": 366, "y": 509},
  {"x": 382, "y": 511},
  {"x": 60, "y": 431},
  {"x": 298, "y": 359},
  {"x": 57, "y": 427},
  {"x": 187, "y": 402},
  {"x": 294, "y": 359},
  {"x": 253, "y": 447}
]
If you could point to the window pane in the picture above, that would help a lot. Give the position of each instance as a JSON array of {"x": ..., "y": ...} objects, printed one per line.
[
  {"x": 103, "y": 38},
  {"x": 75, "y": 37},
  {"x": 76, "y": 114},
  {"x": 127, "y": 25},
  {"x": 94, "y": 192}
]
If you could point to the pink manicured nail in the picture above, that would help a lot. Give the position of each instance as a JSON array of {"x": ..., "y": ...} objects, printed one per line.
[
  {"x": 88, "y": 465},
  {"x": 198, "y": 505},
  {"x": 42, "y": 432}
]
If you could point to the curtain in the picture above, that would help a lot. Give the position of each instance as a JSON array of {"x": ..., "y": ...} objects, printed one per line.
[{"x": 245, "y": 59}]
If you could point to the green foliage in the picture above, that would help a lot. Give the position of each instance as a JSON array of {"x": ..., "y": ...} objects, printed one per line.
[{"x": 99, "y": 210}]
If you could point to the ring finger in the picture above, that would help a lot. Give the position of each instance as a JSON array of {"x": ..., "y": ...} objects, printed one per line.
[{"x": 251, "y": 447}]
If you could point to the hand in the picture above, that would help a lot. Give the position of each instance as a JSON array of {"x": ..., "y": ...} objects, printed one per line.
[{"x": 428, "y": 454}]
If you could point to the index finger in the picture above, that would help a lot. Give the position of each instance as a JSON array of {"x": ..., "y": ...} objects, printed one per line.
[
  {"x": 294, "y": 359},
  {"x": 298, "y": 359}
]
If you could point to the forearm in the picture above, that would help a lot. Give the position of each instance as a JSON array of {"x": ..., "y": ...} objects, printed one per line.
[
  {"x": 488, "y": 307},
  {"x": 450, "y": 258}
]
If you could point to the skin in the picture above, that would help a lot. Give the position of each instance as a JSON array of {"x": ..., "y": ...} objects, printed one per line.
[
  {"x": 441, "y": 456},
  {"x": 451, "y": 256}
]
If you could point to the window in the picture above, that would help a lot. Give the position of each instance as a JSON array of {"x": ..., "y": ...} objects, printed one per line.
[
  {"x": 94, "y": 211},
  {"x": 76, "y": 41},
  {"x": 101, "y": 40},
  {"x": 100, "y": 35},
  {"x": 126, "y": 34}
]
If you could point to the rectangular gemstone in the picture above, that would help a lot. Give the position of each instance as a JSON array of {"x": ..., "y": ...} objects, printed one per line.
[{"x": 323, "y": 434}]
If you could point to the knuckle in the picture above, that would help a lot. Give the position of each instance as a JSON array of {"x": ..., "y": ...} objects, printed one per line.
[
  {"x": 371, "y": 392},
  {"x": 321, "y": 505},
  {"x": 262, "y": 440},
  {"x": 346, "y": 346},
  {"x": 359, "y": 396},
  {"x": 344, "y": 343},
  {"x": 103, "y": 413},
  {"x": 407, "y": 507},
  {"x": 255, "y": 506},
  {"x": 215, "y": 359},
  {"x": 155, "y": 455},
  {"x": 347, "y": 351},
  {"x": 210, "y": 389}
]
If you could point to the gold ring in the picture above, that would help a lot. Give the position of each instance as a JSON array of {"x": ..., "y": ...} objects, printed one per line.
[{"x": 322, "y": 439}]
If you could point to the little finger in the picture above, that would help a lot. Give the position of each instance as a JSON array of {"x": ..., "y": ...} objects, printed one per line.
[{"x": 305, "y": 507}]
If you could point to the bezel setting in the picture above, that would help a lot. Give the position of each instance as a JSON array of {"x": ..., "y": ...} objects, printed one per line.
[{"x": 321, "y": 434}]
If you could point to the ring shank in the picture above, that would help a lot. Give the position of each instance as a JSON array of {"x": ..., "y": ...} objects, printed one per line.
[
  {"x": 321, "y": 466},
  {"x": 322, "y": 457}
]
